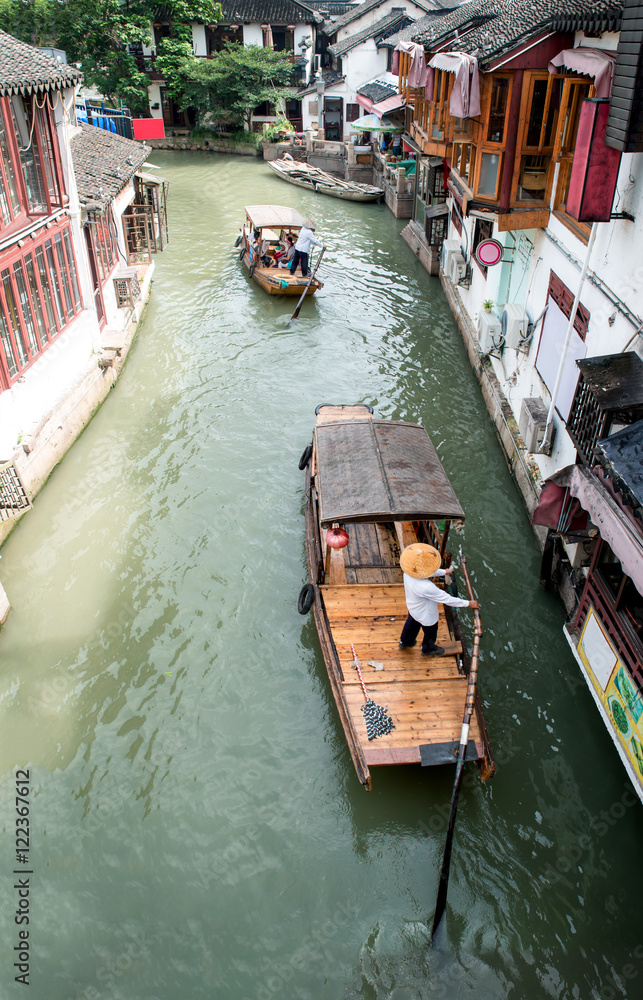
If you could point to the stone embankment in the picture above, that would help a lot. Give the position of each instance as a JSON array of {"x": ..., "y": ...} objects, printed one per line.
[{"x": 207, "y": 145}]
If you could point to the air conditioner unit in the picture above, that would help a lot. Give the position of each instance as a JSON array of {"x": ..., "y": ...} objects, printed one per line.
[
  {"x": 457, "y": 268},
  {"x": 532, "y": 423},
  {"x": 514, "y": 324},
  {"x": 489, "y": 331},
  {"x": 449, "y": 247}
]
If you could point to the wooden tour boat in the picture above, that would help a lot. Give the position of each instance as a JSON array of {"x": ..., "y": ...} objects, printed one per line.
[
  {"x": 266, "y": 227},
  {"x": 313, "y": 179},
  {"x": 383, "y": 482}
]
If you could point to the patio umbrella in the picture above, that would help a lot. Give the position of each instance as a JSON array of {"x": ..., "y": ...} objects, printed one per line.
[{"x": 373, "y": 123}]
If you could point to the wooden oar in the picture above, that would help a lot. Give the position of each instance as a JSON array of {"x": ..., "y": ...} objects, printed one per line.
[
  {"x": 441, "y": 900},
  {"x": 303, "y": 294}
]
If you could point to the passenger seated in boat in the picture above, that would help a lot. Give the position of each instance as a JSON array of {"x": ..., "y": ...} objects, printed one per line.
[
  {"x": 266, "y": 258},
  {"x": 285, "y": 253}
]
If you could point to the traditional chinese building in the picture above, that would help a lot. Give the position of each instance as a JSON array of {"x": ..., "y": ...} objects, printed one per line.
[
  {"x": 79, "y": 221},
  {"x": 527, "y": 125}
]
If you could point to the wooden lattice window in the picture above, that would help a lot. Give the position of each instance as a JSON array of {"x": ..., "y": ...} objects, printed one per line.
[
  {"x": 127, "y": 289},
  {"x": 586, "y": 422},
  {"x": 138, "y": 232},
  {"x": 435, "y": 182},
  {"x": 104, "y": 241},
  {"x": 13, "y": 495},
  {"x": 436, "y": 229}
]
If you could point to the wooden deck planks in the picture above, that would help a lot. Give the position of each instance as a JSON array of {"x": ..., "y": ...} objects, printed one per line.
[
  {"x": 424, "y": 696},
  {"x": 331, "y": 414}
]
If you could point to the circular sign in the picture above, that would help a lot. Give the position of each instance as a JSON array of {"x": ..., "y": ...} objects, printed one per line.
[{"x": 489, "y": 252}]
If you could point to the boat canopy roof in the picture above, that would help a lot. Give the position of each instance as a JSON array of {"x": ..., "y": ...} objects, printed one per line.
[
  {"x": 380, "y": 470},
  {"x": 274, "y": 216}
]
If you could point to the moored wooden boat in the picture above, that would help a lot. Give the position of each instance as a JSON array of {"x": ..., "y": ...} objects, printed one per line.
[
  {"x": 313, "y": 179},
  {"x": 383, "y": 482},
  {"x": 262, "y": 236}
]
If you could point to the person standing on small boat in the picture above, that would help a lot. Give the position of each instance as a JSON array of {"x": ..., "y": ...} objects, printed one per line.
[
  {"x": 419, "y": 562},
  {"x": 306, "y": 240}
]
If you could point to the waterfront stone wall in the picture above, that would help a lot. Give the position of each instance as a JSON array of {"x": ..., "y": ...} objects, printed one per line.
[
  {"x": 209, "y": 145},
  {"x": 524, "y": 470}
]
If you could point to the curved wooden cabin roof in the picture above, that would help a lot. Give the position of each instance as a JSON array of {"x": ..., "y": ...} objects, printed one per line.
[
  {"x": 380, "y": 470},
  {"x": 274, "y": 217}
]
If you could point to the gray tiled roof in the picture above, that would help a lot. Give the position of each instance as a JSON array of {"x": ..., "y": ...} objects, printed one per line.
[
  {"x": 104, "y": 163},
  {"x": 329, "y": 7},
  {"x": 411, "y": 31},
  {"x": 25, "y": 70},
  {"x": 382, "y": 27},
  {"x": 377, "y": 91},
  {"x": 488, "y": 28},
  {"x": 331, "y": 27},
  {"x": 268, "y": 12}
]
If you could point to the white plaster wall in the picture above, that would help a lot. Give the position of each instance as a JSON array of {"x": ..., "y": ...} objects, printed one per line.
[
  {"x": 154, "y": 97},
  {"x": 117, "y": 318},
  {"x": 376, "y": 14},
  {"x": 252, "y": 35},
  {"x": 616, "y": 261},
  {"x": 25, "y": 405},
  {"x": 363, "y": 63},
  {"x": 607, "y": 41},
  {"x": 65, "y": 130},
  {"x": 199, "y": 46}
]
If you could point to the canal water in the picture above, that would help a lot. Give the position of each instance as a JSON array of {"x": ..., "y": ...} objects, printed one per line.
[{"x": 196, "y": 826}]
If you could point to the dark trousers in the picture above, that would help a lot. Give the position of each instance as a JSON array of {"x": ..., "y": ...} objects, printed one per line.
[
  {"x": 303, "y": 257},
  {"x": 410, "y": 633}
]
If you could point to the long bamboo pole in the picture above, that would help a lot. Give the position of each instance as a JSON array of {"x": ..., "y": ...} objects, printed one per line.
[
  {"x": 303, "y": 294},
  {"x": 443, "y": 885}
]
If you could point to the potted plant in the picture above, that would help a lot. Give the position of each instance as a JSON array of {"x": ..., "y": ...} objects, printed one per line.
[{"x": 487, "y": 305}]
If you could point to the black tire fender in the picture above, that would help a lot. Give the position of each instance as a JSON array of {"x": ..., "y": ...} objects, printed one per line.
[
  {"x": 242, "y": 254},
  {"x": 306, "y": 599},
  {"x": 237, "y": 241},
  {"x": 305, "y": 458},
  {"x": 251, "y": 270}
]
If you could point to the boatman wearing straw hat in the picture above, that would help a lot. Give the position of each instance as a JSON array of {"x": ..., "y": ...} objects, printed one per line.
[
  {"x": 306, "y": 240},
  {"x": 419, "y": 562}
]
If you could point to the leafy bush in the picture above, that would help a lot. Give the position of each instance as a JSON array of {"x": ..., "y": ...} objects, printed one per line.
[{"x": 273, "y": 132}]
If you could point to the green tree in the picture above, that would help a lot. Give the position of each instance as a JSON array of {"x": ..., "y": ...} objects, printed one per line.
[
  {"x": 97, "y": 34},
  {"x": 229, "y": 87}
]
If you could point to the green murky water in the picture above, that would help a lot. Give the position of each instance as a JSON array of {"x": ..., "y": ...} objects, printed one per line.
[{"x": 197, "y": 830}]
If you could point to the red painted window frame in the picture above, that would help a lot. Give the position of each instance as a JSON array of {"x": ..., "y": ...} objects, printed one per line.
[
  {"x": 6, "y": 262},
  {"x": 48, "y": 123}
]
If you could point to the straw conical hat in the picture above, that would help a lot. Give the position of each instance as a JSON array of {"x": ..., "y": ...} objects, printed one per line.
[{"x": 420, "y": 560}]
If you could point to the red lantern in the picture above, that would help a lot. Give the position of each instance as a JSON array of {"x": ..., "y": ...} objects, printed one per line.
[{"x": 337, "y": 537}]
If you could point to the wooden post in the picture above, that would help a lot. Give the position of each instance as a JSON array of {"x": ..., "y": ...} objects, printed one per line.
[
  {"x": 512, "y": 138},
  {"x": 401, "y": 180}
]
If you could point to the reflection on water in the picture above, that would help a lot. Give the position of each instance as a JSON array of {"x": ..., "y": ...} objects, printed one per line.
[{"x": 197, "y": 826}]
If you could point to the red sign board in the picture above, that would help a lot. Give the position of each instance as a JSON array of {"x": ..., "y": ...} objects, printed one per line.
[{"x": 148, "y": 128}]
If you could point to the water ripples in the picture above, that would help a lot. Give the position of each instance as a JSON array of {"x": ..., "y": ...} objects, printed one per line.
[{"x": 174, "y": 706}]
